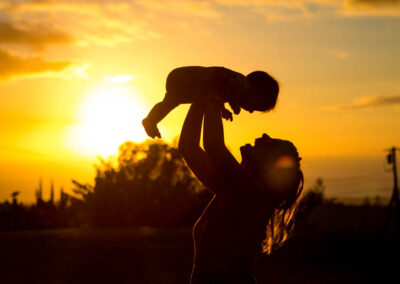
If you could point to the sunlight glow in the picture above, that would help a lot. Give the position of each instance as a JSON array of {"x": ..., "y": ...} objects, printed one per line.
[{"x": 108, "y": 116}]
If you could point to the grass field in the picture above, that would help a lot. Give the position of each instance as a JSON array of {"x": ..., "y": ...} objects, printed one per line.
[{"x": 151, "y": 255}]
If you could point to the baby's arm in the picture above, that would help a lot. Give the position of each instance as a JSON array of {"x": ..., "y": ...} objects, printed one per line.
[{"x": 225, "y": 113}]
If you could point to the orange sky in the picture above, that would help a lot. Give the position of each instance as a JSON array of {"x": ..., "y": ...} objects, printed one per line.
[{"x": 77, "y": 77}]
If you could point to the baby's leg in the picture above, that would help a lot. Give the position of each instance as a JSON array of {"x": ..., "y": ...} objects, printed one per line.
[{"x": 156, "y": 114}]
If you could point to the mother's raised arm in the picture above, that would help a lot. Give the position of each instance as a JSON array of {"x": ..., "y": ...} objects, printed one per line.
[
  {"x": 189, "y": 146},
  {"x": 213, "y": 139}
]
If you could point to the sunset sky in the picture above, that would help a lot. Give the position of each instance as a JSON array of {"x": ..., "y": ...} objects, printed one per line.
[{"x": 77, "y": 77}]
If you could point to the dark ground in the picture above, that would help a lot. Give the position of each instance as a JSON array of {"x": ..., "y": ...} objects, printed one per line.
[{"x": 148, "y": 255}]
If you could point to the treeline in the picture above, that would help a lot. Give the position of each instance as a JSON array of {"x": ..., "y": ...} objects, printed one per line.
[
  {"x": 66, "y": 212},
  {"x": 149, "y": 185}
]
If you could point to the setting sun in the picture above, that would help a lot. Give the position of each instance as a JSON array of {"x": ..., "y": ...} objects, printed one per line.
[
  {"x": 78, "y": 77},
  {"x": 108, "y": 115},
  {"x": 83, "y": 186}
]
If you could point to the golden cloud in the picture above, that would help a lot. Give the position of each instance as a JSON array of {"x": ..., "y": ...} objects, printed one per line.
[
  {"x": 107, "y": 22},
  {"x": 110, "y": 22},
  {"x": 284, "y": 10},
  {"x": 12, "y": 65},
  {"x": 374, "y": 2},
  {"x": 368, "y": 102},
  {"x": 89, "y": 22},
  {"x": 9, "y": 33},
  {"x": 372, "y": 7},
  {"x": 195, "y": 8}
]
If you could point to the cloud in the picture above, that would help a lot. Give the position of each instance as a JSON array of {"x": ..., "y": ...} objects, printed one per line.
[
  {"x": 281, "y": 10},
  {"x": 121, "y": 78},
  {"x": 368, "y": 102},
  {"x": 88, "y": 22},
  {"x": 374, "y": 2},
  {"x": 287, "y": 10},
  {"x": 196, "y": 8},
  {"x": 9, "y": 33},
  {"x": 372, "y": 7},
  {"x": 109, "y": 23},
  {"x": 12, "y": 65}
]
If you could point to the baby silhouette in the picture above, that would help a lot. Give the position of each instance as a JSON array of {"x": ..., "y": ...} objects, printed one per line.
[{"x": 257, "y": 91}]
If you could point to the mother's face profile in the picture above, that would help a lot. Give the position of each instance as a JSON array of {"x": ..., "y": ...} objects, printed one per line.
[{"x": 276, "y": 163}]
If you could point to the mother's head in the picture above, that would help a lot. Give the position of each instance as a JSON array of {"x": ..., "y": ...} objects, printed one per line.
[{"x": 276, "y": 165}]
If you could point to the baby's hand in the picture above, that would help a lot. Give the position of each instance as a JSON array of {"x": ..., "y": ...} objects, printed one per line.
[{"x": 226, "y": 114}]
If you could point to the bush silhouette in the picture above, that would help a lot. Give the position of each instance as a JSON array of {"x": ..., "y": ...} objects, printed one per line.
[{"x": 150, "y": 185}]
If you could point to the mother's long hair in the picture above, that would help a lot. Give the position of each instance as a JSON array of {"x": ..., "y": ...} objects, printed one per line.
[
  {"x": 280, "y": 225},
  {"x": 284, "y": 177}
]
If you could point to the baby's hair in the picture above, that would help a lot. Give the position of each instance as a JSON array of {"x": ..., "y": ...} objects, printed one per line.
[{"x": 266, "y": 86}]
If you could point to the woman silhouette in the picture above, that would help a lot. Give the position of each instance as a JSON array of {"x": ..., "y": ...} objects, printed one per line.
[{"x": 254, "y": 201}]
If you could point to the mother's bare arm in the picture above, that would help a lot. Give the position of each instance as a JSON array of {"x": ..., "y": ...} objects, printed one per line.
[
  {"x": 214, "y": 142},
  {"x": 189, "y": 146}
]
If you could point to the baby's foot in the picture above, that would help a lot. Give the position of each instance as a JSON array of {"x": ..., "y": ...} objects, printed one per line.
[{"x": 151, "y": 128}]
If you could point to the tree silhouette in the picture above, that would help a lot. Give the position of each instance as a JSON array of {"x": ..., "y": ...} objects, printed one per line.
[{"x": 150, "y": 185}]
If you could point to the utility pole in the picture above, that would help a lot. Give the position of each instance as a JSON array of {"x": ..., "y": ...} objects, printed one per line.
[{"x": 394, "y": 204}]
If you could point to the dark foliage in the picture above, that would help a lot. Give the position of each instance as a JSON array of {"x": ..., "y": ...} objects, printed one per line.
[
  {"x": 312, "y": 198},
  {"x": 150, "y": 185},
  {"x": 42, "y": 215}
]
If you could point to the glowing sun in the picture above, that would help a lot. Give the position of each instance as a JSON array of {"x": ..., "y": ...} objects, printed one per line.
[{"x": 109, "y": 115}]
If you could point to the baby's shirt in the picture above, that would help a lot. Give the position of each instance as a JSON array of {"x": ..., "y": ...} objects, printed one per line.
[
  {"x": 229, "y": 86},
  {"x": 196, "y": 82}
]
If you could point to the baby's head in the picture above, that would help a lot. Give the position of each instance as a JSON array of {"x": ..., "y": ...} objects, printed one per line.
[{"x": 262, "y": 94}]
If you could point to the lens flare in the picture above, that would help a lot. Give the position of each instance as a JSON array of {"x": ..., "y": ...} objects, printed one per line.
[{"x": 285, "y": 161}]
